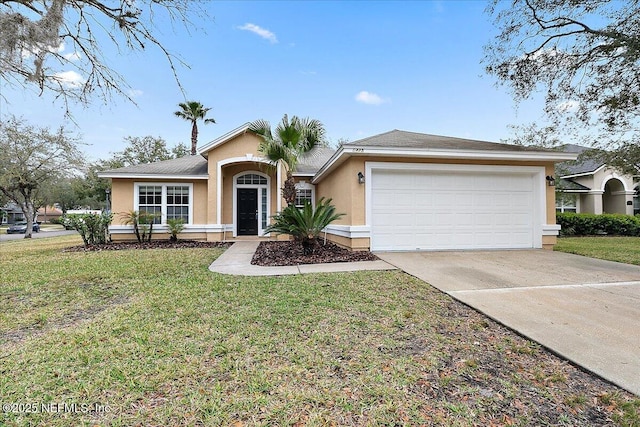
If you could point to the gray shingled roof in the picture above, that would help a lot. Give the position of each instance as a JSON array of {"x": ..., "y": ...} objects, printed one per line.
[
  {"x": 187, "y": 165},
  {"x": 311, "y": 162},
  {"x": 580, "y": 166},
  {"x": 403, "y": 139},
  {"x": 569, "y": 185}
]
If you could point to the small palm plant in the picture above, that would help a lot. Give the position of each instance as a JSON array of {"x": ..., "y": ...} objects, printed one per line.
[
  {"x": 304, "y": 224},
  {"x": 142, "y": 222},
  {"x": 176, "y": 225}
]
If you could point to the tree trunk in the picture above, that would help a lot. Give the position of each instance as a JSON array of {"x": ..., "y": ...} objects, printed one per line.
[
  {"x": 289, "y": 189},
  {"x": 29, "y": 213},
  {"x": 194, "y": 138}
]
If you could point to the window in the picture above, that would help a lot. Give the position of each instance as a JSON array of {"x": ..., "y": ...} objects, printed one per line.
[
  {"x": 566, "y": 202},
  {"x": 167, "y": 201},
  {"x": 150, "y": 201},
  {"x": 252, "y": 178},
  {"x": 304, "y": 193},
  {"x": 178, "y": 202}
]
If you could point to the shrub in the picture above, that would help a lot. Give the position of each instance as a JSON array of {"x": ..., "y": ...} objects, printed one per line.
[
  {"x": 176, "y": 225},
  {"x": 573, "y": 224},
  {"x": 304, "y": 224},
  {"x": 93, "y": 228}
]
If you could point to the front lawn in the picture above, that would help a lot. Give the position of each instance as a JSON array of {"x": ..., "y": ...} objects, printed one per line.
[
  {"x": 621, "y": 249},
  {"x": 151, "y": 337}
]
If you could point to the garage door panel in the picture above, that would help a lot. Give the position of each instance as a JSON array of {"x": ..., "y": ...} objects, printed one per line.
[{"x": 414, "y": 209}]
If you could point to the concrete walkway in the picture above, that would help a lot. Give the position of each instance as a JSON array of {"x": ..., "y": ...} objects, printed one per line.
[
  {"x": 584, "y": 309},
  {"x": 237, "y": 261}
]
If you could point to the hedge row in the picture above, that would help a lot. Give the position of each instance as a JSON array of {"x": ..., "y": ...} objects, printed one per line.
[{"x": 591, "y": 224}]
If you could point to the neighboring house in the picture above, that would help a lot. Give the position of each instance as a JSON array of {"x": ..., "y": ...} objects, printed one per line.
[
  {"x": 398, "y": 190},
  {"x": 587, "y": 185},
  {"x": 11, "y": 213},
  {"x": 49, "y": 213}
]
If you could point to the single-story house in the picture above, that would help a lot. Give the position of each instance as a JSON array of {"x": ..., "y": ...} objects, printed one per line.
[
  {"x": 11, "y": 213},
  {"x": 49, "y": 213},
  {"x": 588, "y": 185},
  {"x": 399, "y": 191}
]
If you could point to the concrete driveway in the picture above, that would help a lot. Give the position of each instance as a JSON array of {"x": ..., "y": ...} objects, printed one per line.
[{"x": 584, "y": 309}]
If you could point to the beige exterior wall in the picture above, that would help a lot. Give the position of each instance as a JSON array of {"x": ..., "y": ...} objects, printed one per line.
[
  {"x": 121, "y": 198},
  {"x": 240, "y": 146},
  {"x": 348, "y": 195},
  {"x": 123, "y": 190}
]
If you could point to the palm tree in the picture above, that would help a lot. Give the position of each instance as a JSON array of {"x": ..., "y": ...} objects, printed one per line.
[
  {"x": 192, "y": 111},
  {"x": 287, "y": 143}
]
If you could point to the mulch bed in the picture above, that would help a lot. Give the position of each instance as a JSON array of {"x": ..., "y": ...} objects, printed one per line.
[
  {"x": 154, "y": 244},
  {"x": 290, "y": 253}
]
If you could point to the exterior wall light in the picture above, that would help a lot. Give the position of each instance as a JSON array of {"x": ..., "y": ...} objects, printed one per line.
[
  {"x": 360, "y": 178},
  {"x": 551, "y": 181}
]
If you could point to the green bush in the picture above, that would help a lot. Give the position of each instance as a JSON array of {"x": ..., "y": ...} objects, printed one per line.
[
  {"x": 93, "y": 228},
  {"x": 584, "y": 224}
]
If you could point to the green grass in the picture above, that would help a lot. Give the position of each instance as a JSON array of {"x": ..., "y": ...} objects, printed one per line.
[
  {"x": 621, "y": 249},
  {"x": 157, "y": 339}
]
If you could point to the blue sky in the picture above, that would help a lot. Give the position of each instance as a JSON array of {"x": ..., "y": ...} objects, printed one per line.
[{"x": 360, "y": 67}]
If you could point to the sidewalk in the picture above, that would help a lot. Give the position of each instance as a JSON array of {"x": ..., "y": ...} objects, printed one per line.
[{"x": 237, "y": 261}]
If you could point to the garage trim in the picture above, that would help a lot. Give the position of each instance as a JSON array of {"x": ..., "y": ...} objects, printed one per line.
[{"x": 537, "y": 172}]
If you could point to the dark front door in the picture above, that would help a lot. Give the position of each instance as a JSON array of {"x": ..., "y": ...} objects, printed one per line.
[{"x": 247, "y": 211}]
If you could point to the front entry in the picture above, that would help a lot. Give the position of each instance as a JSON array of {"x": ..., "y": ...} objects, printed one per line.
[{"x": 247, "y": 221}]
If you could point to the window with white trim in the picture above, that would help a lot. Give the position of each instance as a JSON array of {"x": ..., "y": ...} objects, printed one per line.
[
  {"x": 178, "y": 202},
  {"x": 305, "y": 192},
  {"x": 150, "y": 201},
  {"x": 166, "y": 200}
]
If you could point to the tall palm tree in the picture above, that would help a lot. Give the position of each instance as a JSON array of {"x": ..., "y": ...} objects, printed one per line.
[
  {"x": 192, "y": 111},
  {"x": 287, "y": 143}
]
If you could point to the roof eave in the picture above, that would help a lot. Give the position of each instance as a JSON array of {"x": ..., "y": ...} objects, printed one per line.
[
  {"x": 150, "y": 176},
  {"x": 422, "y": 153},
  {"x": 576, "y": 175}
]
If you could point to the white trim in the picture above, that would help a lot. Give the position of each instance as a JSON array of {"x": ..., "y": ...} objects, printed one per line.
[
  {"x": 550, "y": 229},
  {"x": 304, "y": 185},
  {"x": 151, "y": 176},
  {"x": 258, "y": 188},
  {"x": 576, "y": 175},
  {"x": 224, "y": 138},
  {"x": 350, "y": 231},
  {"x": 424, "y": 153},
  {"x": 278, "y": 188},
  {"x": 620, "y": 178},
  {"x": 163, "y": 228},
  {"x": 537, "y": 173},
  {"x": 164, "y": 185},
  {"x": 247, "y": 158}
]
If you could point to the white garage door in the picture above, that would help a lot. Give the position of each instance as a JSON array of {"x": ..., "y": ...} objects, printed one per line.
[{"x": 441, "y": 209}]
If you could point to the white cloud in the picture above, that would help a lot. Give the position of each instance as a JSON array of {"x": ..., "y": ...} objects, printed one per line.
[
  {"x": 135, "y": 93},
  {"x": 74, "y": 56},
  {"x": 69, "y": 78},
  {"x": 262, "y": 32},
  {"x": 569, "y": 106},
  {"x": 369, "y": 98}
]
